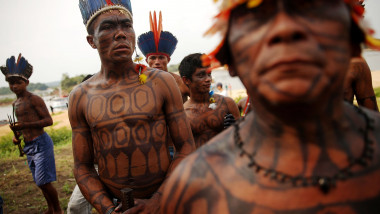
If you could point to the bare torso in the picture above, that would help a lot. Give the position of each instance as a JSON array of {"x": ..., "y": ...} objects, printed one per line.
[
  {"x": 128, "y": 132},
  {"x": 217, "y": 178},
  {"x": 31, "y": 108},
  {"x": 206, "y": 122}
]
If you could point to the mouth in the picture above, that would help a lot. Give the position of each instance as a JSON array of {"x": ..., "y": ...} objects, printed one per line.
[
  {"x": 122, "y": 47},
  {"x": 291, "y": 64}
]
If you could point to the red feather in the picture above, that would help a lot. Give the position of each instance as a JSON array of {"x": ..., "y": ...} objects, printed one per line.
[{"x": 109, "y": 2}]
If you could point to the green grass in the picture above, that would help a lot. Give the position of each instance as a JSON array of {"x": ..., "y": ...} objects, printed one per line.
[{"x": 61, "y": 136}]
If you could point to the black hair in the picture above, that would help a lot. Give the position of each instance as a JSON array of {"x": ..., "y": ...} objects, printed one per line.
[{"x": 189, "y": 64}]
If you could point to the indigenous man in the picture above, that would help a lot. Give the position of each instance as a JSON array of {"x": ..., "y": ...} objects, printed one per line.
[
  {"x": 302, "y": 149},
  {"x": 205, "y": 110},
  {"x": 33, "y": 115},
  {"x": 158, "y": 46},
  {"x": 120, "y": 116}
]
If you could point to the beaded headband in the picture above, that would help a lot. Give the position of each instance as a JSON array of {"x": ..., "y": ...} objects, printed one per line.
[{"x": 221, "y": 24}]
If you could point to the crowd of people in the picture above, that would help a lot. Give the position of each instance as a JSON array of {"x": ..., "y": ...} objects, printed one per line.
[{"x": 146, "y": 140}]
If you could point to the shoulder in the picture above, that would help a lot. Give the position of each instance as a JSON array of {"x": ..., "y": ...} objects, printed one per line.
[{"x": 36, "y": 99}]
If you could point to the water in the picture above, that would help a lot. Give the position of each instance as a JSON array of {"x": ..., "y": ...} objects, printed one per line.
[{"x": 4, "y": 110}]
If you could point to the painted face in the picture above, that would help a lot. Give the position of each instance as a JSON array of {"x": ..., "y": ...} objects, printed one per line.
[
  {"x": 17, "y": 85},
  {"x": 158, "y": 61},
  {"x": 288, "y": 51},
  {"x": 114, "y": 36},
  {"x": 200, "y": 80}
]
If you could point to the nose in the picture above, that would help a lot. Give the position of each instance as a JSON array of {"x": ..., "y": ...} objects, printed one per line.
[
  {"x": 286, "y": 30},
  {"x": 120, "y": 34}
]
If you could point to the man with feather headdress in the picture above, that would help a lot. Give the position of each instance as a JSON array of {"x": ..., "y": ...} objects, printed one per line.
[
  {"x": 158, "y": 46},
  {"x": 121, "y": 117}
]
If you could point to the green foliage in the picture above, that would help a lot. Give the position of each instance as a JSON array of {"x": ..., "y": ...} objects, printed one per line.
[
  {"x": 173, "y": 68},
  {"x": 37, "y": 86},
  {"x": 5, "y": 90},
  {"x": 68, "y": 83},
  {"x": 237, "y": 99},
  {"x": 377, "y": 91},
  {"x": 6, "y": 101},
  {"x": 8, "y": 149},
  {"x": 31, "y": 87}
]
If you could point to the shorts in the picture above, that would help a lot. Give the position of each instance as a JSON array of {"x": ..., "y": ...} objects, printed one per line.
[{"x": 40, "y": 154}]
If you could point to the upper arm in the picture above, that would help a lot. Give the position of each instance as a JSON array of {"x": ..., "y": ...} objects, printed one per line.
[
  {"x": 41, "y": 109},
  {"x": 363, "y": 89},
  {"x": 176, "y": 119},
  {"x": 233, "y": 108},
  {"x": 81, "y": 134}
]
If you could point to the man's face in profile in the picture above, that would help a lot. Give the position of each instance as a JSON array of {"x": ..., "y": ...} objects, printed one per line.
[{"x": 291, "y": 51}]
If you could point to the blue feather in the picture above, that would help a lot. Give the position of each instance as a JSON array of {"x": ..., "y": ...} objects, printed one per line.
[
  {"x": 22, "y": 65},
  {"x": 146, "y": 43},
  {"x": 89, "y": 7},
  {"x": 11, "y": 64},
  {"x": 167, "y": 43}
]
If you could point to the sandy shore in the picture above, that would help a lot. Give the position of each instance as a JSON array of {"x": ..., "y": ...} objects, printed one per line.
[{"x": 375, "y": 79}]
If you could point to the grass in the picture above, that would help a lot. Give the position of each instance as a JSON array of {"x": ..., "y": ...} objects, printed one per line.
[{"x": 17, "y": 188}]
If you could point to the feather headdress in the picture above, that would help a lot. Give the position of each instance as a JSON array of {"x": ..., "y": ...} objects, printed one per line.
[
  {"x": 90, "y": 9},
  {"x": 226, "y": 6},
  {"x": 157, "y": 41},
  {"x": 21, "y": 68}
]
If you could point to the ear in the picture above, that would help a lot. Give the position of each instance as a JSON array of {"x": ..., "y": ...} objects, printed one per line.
[
  {"x": 90, "y": 40},
  {"x": 168, "y": 59},
  {"x": 186, "y": 81},
  {"x": 27, "y": 82}
]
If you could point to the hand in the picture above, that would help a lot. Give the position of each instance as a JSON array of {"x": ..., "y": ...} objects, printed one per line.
[
  {"x": 17, "y": 126},
  {"x": 16, "y": 140},
  {"x": 144, "y": 206},
  {"x": 228, "y": 120}
]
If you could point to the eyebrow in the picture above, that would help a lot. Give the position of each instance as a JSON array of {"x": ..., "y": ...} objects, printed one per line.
[{"x": 113, "y": 21}]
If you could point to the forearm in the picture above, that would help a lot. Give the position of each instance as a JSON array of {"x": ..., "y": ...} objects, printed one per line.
[
  {"x": 37, "y": 124},
  {"x": 92, "y": 188}
]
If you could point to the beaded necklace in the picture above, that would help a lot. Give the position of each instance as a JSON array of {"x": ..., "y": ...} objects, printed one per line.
[
  {"x": 212, "y": 101},
  {"x": 324, "y": 182}
]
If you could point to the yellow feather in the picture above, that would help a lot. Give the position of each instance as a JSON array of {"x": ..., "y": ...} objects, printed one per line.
[
  {"x": 142, "y": 79},
  {"x": 253, "y": 3}
]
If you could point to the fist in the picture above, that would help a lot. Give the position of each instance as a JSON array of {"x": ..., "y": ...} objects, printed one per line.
[
  {"x": 16, "y": 141},
  {"x": 16, "y": 126},
  {"x": 228, "y": 120}
]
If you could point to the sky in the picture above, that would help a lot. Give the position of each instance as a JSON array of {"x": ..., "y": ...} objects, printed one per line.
[{"x": 51, "y": 35}]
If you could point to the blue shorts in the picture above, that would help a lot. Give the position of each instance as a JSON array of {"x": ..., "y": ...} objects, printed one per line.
[{"x": 40, "y": 154}]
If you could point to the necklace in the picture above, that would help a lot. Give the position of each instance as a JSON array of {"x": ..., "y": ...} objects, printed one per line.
[
  {"x": 324, "y": 182},
  {"x": 212, "y": 100}
]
